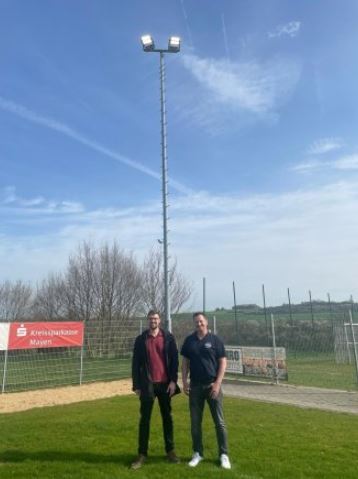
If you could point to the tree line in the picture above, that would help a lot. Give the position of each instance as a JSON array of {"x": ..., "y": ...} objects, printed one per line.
[{"x": 104, "y": 286}]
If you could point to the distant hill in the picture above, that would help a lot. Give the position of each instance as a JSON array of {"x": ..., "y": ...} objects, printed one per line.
[{"x": 303, "y": 307}]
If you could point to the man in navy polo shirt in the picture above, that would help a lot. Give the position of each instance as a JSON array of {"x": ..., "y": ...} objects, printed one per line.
[
  {"x": 204, "y": 356},
  {"x": 155, "y": 375}
]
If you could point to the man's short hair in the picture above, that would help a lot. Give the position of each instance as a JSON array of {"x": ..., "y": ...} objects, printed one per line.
[
  {"x": 199, "y": 313},
  {"x": 152, "y": 312}
]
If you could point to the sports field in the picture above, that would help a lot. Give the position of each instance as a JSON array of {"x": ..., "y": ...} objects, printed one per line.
[{"x": 97, "y": 439}]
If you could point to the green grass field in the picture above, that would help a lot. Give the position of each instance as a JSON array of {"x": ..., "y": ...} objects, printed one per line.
[
  {"x": 98, "y": 440},
  {"x": 47, "y": 371},
  {"x": 318, "y": 370},
  {"x": 321, "y": 370}
]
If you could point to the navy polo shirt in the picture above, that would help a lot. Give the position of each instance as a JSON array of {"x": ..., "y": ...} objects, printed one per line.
[{"x": 204, "y": 355}]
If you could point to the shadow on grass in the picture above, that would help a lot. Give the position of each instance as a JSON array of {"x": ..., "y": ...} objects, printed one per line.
[{"x": 17, "y": 456}]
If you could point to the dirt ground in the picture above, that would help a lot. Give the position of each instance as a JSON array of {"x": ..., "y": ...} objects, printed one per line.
[
  {"x": 11, "y": 402},
  {"x": 327, "y": 399}
]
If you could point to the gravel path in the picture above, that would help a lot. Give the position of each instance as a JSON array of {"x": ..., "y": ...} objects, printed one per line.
[
  {"x": 307, "y": 397},
  {"x": 11, "y": 402},
  {"x": 327, "y": 399}
]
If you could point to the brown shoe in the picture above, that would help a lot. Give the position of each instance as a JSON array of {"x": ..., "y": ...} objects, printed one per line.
[
  {"x": 139, "y": 461},
  {"x": 172, "y": 457}
]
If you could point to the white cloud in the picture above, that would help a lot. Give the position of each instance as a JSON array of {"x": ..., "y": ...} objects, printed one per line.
[
  {"x": 345, "y": 163},
  {"x": 14, "y": 204},
  {"x": 349, "y": 162},
  {"x": 243, "y": 90},
  {"x": 308, "y": 166},
  {"x": 290, "y": 29},
  {"x": 325, "y": 145},
  {"x": 304, "y": 239}
]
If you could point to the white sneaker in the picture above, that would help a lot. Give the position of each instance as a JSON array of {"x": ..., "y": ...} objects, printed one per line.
[
  {"x": 195, "y": 460},
  {"x": 225, "y": 461}
]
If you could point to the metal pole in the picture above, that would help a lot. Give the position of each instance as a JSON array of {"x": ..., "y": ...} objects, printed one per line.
[
  {"x": 289, "y": 306},
  {"x": 81, "y": 365},
  {"x": 164, "y": 192},
  {"x": 235, "y": 310},
  {"x": 4, "y": 373},
  {"x": 332, "y": 321},
  {"x": 311, "y": 306},
  {"x": 274, "y": 349},
  {"x": 214, "y": 324},
  {"x": 354, "y": 343},
  {"x": 330, "y": 308},
  {"x": 291, "y": 320},
  {"x": 347, "y": 342},
  {"x": 204, "y": 295},
  {"x": 265, "y": 313}
]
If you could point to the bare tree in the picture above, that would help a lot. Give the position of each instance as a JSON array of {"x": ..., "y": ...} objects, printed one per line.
[
  {"x": 51, "y": 300},
  {"x": 153, "y": 284},
  {"x": 103, "y": 288},
  {"x": 79, "y": 280},
  {"x": 117, "y": 292},
  {"x": 15, "y": 301}
]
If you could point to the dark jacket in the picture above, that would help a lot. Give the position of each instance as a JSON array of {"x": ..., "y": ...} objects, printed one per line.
[{"x": 140, "y": 368}]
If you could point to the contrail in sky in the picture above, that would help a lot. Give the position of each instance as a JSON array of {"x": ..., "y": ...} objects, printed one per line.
[
  {"x": 62, "y": 128},
  {"x": 225, "y": 38},
  {"x": 187, "y": 23}
]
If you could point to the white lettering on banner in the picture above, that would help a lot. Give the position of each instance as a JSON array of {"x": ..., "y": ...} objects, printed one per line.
[
  {"x": 55, "y": 332},
  {"x": 4, "y": 336},
  {"x": 45, "y": 335},
  {"x": 21, "y": 331},
  {"x": 41, "y": 343}
]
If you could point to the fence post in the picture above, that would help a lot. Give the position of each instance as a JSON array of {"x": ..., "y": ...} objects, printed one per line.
[
  {"x": 311, "y": 307},
  {"x": 347, "y": 342},
  {"x": 235, "y": 311},
  {"x": 331, "y": 318},
  {"x": 354, "y": 343},
  {"x": 4, "y": 372},
  {"x": 265, "y": 313},
  {"x": 274, "y": 349},
  {"x": 81, "y": 365},
  {"x": 292, "y": 340},
  {"x": 204, "y": 295},
  {"x": 214, "y": 324}
]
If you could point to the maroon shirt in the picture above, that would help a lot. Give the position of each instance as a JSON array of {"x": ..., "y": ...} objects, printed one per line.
[{"x": 156, "y": 358}]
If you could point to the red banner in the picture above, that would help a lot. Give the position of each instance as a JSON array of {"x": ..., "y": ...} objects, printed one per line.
[{"x": 45, "y": 335}]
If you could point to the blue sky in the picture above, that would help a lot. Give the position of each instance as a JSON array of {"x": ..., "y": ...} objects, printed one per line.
[{"x": 262, "y": 110}]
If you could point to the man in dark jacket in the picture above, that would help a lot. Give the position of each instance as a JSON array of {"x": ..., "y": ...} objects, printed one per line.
[
  {"x": 155, "y": 374},
  {"x": 205, "y": 357}
]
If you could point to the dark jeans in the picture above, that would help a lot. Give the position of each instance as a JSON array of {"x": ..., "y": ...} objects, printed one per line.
[
  {"x": 200, "y": 393},
  {"x": 146, "y": 407}
]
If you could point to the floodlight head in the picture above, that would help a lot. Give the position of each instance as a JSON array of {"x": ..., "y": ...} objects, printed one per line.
[
  {"x": 148, "y": 43},
  {"x": 174, "y": 44}
]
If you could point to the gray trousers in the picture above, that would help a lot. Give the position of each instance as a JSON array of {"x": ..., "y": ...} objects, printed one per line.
[{"x": 200, "y": 393}]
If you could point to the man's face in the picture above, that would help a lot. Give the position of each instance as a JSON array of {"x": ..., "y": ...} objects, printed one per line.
[
  {"x": 154, "y": 321},
  {"x": 201, "y": 324}
]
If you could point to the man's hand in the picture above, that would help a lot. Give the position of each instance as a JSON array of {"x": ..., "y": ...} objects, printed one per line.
[
  {"x": 215, "y": 389},
  {"x": 185, "y": 366},
  {"x": 137, "y": 392},
  {"x": 171, "y": 388}
]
